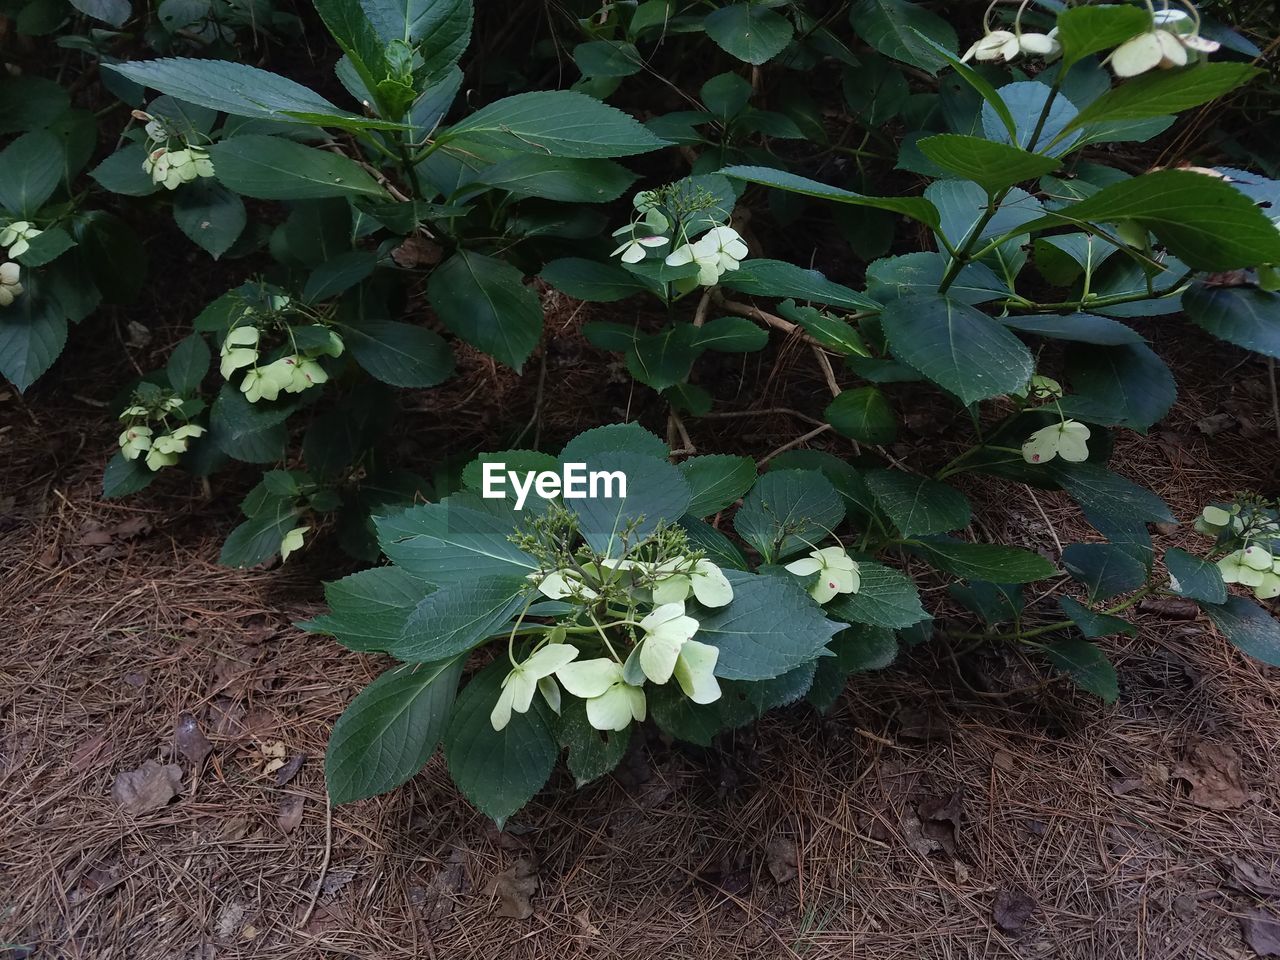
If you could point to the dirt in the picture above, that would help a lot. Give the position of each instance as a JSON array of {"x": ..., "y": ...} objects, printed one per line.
[{"x": 936, "y": 812}]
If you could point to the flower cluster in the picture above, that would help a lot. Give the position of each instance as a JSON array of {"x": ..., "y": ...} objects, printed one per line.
[
  {"x": 295, "y": 371},
  {"x": 718, "y": 250},
  {"x": 166, "y": 165},
  {"x": 1253, "y": 566},
  {"x": 164, "y": 448},
  {"x": 663, "y": 644},
  {"x": 1006, "y": 45},
  {"x": 1253, "y": 530}
]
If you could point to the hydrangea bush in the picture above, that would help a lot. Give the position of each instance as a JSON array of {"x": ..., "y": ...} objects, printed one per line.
[{"x": 981, "y": 239}]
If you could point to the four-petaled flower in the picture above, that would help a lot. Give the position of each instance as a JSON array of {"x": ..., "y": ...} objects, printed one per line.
[
  {"x": 239, "y": 349},
  {"x": 703, "y": 579},
  {"x": 17, "y": 236},
  {"x": 718, "y": 250},
  {"x": 172, "y": 168},
  {"x": 536, "y": 673},
  {"x": 10, "y": 288},
  {"x": 1173, "y": 41},
  {"x": 562, "y": 584},
  {"x": 611, "y": 702},
  {"x": 134, "y": 441},
  {"x": 837, "y": 572},
  {"x": 1066, "y": 440},
  {"x": 292, "y": 541},
  {"x": 666, "y": 630},
  {"x": 994, "y": 45},
  {"x": 1247, "y": 566}
]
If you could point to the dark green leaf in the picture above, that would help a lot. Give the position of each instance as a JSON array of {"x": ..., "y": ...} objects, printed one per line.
[
  {"x": 269, "y": 168},
  {"x": 778, "y": 279},
  {"x": 749, "y": 31},
  {"x": 188, "y": 364},
  {"x": 1078, "y": 327},
  {"x": 731, "y": 335},
  {"x": 1094, "y": 624},
  {"x": 716, "y": 482},
  {"x": 400, "y": 354},
  {"x": 1245, "y": 316},
  {"x": 1087, "y": 666},
  {"x": 864, "y": 415},
  {"x": 592, "y": 753},
  {"x": 787, "y": 510},
  {"x": 124, "y": 477},
  {"x": 885, "y": 598},
  {"x": 990, "y": 164},
  {"x": 1086, "y": 30},
  {"x": 459, "y": 616},
  {"x": 903, "y": 30},
  {"x": 655, "y": 493},
  {"x": 592, "y": 280},
  {"x": 1125, "y": 386},
  {"x": 917, "y": 505},
  {"x": 210, "y": 215},
  {"x": 1105, "y": 569},
  {"x": 455, "y": 540},
  {"x": 984, "y": 561},
  {"x": 917, "y": 208},
  {"x": 1190, "y": 576},
  {"x": 368, "y": 610},
  {"x": 30, "y": 169},
  {"x": 485, "y": 302},
  {"x": 1248, "y": 626}
]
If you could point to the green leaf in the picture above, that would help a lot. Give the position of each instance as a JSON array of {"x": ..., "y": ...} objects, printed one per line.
[
  {"x": 559, "y": 178},
  {"x": 838, "y": 335},
  {"x": 1099, "y": 490},
  {"x": 917, "y": 505},
  {"x": 242, "y": 91},
  {"x": 864, "y": 415},
  {"x": 1124, "y": 386},
  {"x": 1087, "y": 30},
  {"x": 114, "y": 12},
  {"x": 993, "y": 602},
  {"x": 459, "y": 616},
  {"x": 390, "y": 730},
  {"x": 894, "y": 27},
  {"x": 778, "y": 279},
  {"x": 655, "y": 493},
  {"x": 975, "y": 80},
  {"x": 122, "y": 172},
  {"x": 32, "y": 334},
  {"x": 859, "y": 649},
  {"x": 122, "y": 477},
  {"x": 252, "y": 432},
  {"x": 257, "y": 539},
  {"x": 269, "y": 168},
  {"x": 1094, "y": 624},
  {"x": 356, "y": 38},
  {"x": 787, "y": 510},
  {"x": 440, "y": 29},
  {"x": 557, "y": 123},
  {"x": 399, "y": 353},
  {"x": 1105, "y": 569},
  {"x": 188, "y": 364},
  {"x": 1203, "y": 221},
  {"x": 718, "y": 548},
  {"x": 30, "y": 169},
  {"x": 592, "y": 752},
  {"x": 910, "y": 274},
  {"x": 1190, "y": 576},
  {"x": 485, "y": 302},
  {"x": 885, "y": 598},
  {"x": 955, "y": 346},
  {"x": 339, "y": 274},
  {"x": 991, "y": 165},
  {"x": 498, "y": 770},
  {"x": 984, "y": 561},
  {"x": 592, "y": 280},
  {"x": 210, "y": 215},
  {"x": 455, "y": 540},
  {"x": 608, "y": 58},
  {"x": 368, "y": 610},
  {"x": 1087, "y": 666},
  {"x": 917, "y": 208},
  {"x": 1245, "y": 316},
  {"x": 749, "y": 31},
  {"x": 1028, "y": 101},
  {"x": 771, "y": 626},
  {"x": 1162, "y": 92},
  {"x": 1248, "y": 626},
  {"x": 1077, "y": 327},
  {"x": 731, "y": 335},
  {"x": 665, "y": 358},
  {"x": 614, "y": 438},
  {"x": 116, "y": 259},
  {"x": 716, "y": 482}
]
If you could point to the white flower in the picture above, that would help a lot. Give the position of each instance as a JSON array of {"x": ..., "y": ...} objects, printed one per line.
[
  {"x": 134, "y": 441},
  {"x": 158, "y": 458},
  {"x": 611, "y": 702},
  {"x": 1247, "y": 566},
  {"x": 562, "y": 584},
  {"x": 176, "y": 442},
  {"x": 704, "y": 579},
  {"x": 304, "y": 373},
  {"x": 523, "y": 681},
  {"x": 1269, "y": 588},
  {"x": 1065, "y": 440},
  {"x": 1040, "y": 44},
  {"x": 239, "y": 349},
  {"x": 994, "y": 45},
  {"x": 201, "y": 162},
  {"x": 695, "y": 671},
  {"x": 718, "y": 250},
  {"x": 16, "y": 237},
  {"x": 633, "y": 250},
  {"x": 1173, "y": 41},
  {"x": 837, "y": 572},
  {"x": 666, "y": 630},
  {"x": 134, "y": 411},
  {"x": 10, "y": 288},
  {"x": 265, "y": 383},
  {"x": 292, "y": 541}
]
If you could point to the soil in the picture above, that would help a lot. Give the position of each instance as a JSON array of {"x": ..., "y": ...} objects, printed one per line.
[{"x": 943, "y": 809}]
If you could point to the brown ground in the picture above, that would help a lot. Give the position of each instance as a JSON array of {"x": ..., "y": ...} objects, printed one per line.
[{"x": 919, "y": 820}]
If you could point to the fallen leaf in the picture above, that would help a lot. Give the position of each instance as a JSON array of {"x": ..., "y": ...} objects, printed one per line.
[
  {"x": 336, "y": 879},
  {"x": 237, "y": 828},
  {"x": 95, "y": 538},
  {"x": 1004, "y": 760},
  {"x": 87, "y": 751},
  {"x": 148, "y": 788},
  {"x": 1171, "y": 608},
  {"x": 940, "y": 819},
  {"x": 1012, "y": 909},
  {"x": 417, "y": 251},
  {"x": 1213, "y": 770},
  {"x": 588, "y": 928},
  {"x": 1215, "y": 424},
  {"x": 229, "y": 918},
  {"x": 962, "y": 871},
  {"x": 1262, "y": 932},
  {"x": 1250, "y": 878},
  {"x": 191, "y": 741},
  {"x": 290, "y": 769},
  {"x": 513, "y": 888},
  {"x": 290, "y": 814},
  {"x": 782, "y": 859}
]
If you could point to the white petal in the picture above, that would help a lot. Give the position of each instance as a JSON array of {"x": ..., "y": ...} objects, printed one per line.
[
  {"x": 501, "y": 714},
  {"x": 633, "y": 254},
  {"x": 549, "y": 659},
  {"x": 1042, "y": 446},
  {"x": 695, "y": 672},
  {"x": 1136, "y": 56},
  {"x": 658, "y": 655},
  {"x": 636, "y": 699},
  {"x": 611, "y": 710},
  {"x": 680, "y": 256},
  {"x": 710, "y": 585},
  {"x": 804, "y": 567},
  {"x": 1172, "y": 52},
  {"x": 589, "y": 678},
  {"x": 663, "y": 614},
  {"x": 824, "y": 589},
  {"x": 550, "y": 691},
  {"x": 672, "y": 590}
]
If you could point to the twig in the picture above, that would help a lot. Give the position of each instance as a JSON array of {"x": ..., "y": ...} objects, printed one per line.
[
  {"x": 794, "y": 443},
  {"x": 1275, "y": 397},
  {"x": 324, "y": 862},
  {"x": 1047, "y": 522},
  {"x": 827, "y": 372}
]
